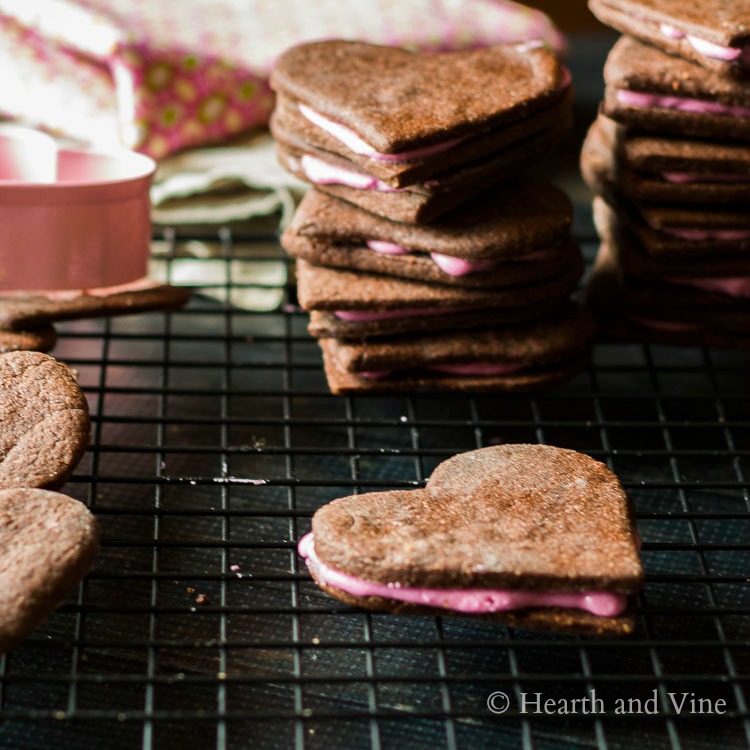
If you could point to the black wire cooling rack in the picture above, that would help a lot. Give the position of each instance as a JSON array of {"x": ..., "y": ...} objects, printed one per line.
[{"x": 214, "y": 441}]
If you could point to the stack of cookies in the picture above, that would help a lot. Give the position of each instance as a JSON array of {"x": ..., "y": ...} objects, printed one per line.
[
  {"x": 669, "y": 160},
  {"x": 423, "y": 260}
]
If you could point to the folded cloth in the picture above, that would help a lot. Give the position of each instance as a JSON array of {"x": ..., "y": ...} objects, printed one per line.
[
  {"x": 220, "y": 184},
  {"x": 160, "y": 76}
]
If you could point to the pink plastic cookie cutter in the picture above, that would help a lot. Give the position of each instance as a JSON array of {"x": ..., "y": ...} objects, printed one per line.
[{"x": 71, "y": 219}]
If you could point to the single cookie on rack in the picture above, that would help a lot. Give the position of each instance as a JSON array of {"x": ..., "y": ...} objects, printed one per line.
[
  {"x": 45, "y": 421},
  {"x": 48, "y": 543},
  {"x": 531, "y": 535},
  {"x": 521, "y": 357},
  {"x": 714, "y": 33},
  {"x": 511, "y": 236}
]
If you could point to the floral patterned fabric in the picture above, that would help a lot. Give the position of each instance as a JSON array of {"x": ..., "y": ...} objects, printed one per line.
[{"x": 159, "y": 76}]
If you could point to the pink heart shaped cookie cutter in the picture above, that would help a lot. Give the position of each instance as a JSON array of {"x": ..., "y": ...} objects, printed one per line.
[{"x": 71, "y": 219}]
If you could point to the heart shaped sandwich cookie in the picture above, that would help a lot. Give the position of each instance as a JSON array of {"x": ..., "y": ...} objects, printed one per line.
[
  {"x": 410, "y": 136},
  {"x": 649, "y": 90},
  {"x": 48, "y": 542},
  {"x": 660, "y": 169},
  {"x": 713, "y": 33},
  {"x": 683, "y": 300},
  {"x": 513, "y": 235},
  {"x": 358, "y": 306},
  {"x": 521, "y": 357},
  {"x": 406, "y": 101},
  {"x": 531, "y": 535},
  {"x": 45, "y": 421}
]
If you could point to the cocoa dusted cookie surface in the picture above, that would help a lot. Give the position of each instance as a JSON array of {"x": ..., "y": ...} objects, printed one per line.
[
  {"x": 48, "y": 542},
  {"x": 45, "y": 421},
  {"x": 531, "y": 535}
]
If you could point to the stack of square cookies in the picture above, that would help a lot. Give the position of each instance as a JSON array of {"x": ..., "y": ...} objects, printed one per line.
[
  {"x": 423, "y": 260},
  {"x": 669, "y": 160}
]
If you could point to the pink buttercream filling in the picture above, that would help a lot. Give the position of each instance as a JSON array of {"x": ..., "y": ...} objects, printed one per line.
[
  {"x": 354, "y": 143},
  {"x": 387, "y": 248},
  {"x": 450, "y": 264},
  {"x": 683, "y": 177},
  {"x": 471, "y": 601},
  {"x": 679, "y": 103},
  {"x": 732, "y": 287},
  {"x": 320, "y": 172},
  {"x": 366, "y": 316},
  {"x": 459, "y": 266},
  {"x": 696, "y": 235},
  {"x": 671, "y": 31},
  {"x": 716, "y": 51},
  {"x": 702, "y": 46}
]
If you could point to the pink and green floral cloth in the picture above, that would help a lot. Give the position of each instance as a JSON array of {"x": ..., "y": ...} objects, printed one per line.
[{"x": 163, "y": 75}]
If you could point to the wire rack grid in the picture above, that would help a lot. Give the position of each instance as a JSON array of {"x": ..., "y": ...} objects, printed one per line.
[{"x": 215, "y": 439}]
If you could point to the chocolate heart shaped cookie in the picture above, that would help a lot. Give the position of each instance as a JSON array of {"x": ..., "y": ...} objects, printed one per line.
[
  {"x": 533, "y": 535},
  {"x": 45, "y": 421},
  {"x": 48, "y": 542},
  {"x": 409, "y": 136},
  {"x": 397, "y": 100}
]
